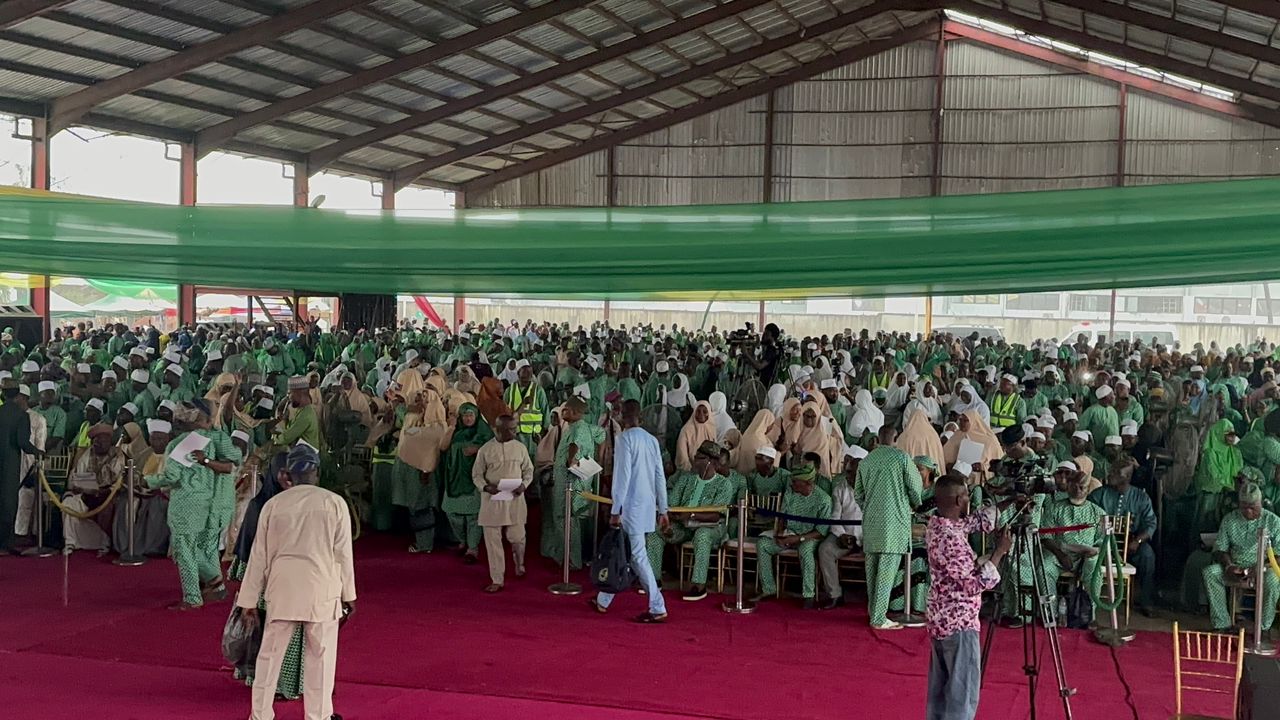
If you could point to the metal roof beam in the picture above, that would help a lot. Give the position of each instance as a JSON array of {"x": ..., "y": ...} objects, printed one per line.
[
  {"x": 724, "y": 62},
  {"x": 1264, "y": 8},
  {"x": 66, "y": 110},
  {"x": 565, "y": 68},
  {"x": 826, "y": 63},
  {"x": 1256, "y": 113},
  {"x": 1176, "y": 28},
  {"x": 215, "y": 135},
  {"x": 1195, "y": 72},
  {"x": 13, "y": 12}
]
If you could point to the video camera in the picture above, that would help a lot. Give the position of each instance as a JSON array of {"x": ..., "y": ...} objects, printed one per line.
[{"x": 744, "y": 337}]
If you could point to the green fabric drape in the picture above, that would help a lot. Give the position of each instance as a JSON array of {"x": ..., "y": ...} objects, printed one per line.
[
  {"x": 457, "y": 464},
  {"x": 1010, "y": 242}
]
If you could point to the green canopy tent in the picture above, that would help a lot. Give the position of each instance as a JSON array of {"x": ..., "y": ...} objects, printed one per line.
[{"x": 1017, "y": 242}]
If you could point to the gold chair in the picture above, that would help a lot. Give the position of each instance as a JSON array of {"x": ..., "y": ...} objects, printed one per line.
[
  {"x": 1219, "y": 657},
  {"x": 685, "y": 560},
  {"x": 1122, "y": 525}
]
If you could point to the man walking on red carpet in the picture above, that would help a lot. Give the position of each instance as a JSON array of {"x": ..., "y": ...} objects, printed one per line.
[
  {"x": 302, "y": 561},
  {"x": 639, "y": 505}
]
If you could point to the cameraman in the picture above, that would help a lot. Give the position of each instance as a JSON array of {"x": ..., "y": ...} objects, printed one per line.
[
  {"x": 767, "y": 363},
  {"x": 958, "y": 580}
]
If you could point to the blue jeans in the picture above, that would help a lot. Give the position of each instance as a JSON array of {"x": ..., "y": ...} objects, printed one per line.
[
  {"x": 955, "y": 674},
  {"x": 644, "y": 573}
]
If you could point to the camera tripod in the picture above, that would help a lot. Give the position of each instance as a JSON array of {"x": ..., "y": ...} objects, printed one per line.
[{"x": 1026, "y": 553}]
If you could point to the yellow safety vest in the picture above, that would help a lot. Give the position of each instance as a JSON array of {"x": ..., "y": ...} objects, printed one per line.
[
  {"x": 1002, "y": 410},
  {"x": 530, "y": 420}
]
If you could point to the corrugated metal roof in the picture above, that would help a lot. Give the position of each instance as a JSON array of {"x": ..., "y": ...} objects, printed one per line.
[{"x": 118, "y": 34}]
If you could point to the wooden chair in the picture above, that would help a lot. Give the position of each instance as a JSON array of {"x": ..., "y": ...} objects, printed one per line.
[
  {"x": 685, "y": 560},
  {"x": 1127, "y": 572},
  {"x": 1218, "y": 659}
]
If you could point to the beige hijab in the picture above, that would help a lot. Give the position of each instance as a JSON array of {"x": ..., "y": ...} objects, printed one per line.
[
  {"x": 762, "y": 432},
  {"x": 218, "y": 402},
  {"x": 816, "y": 439},
  {"x": 919, "y": 438},
  {"x": 791, "y": 428},
  {"x": 978, "y": 432},
  {"x": 692, "y": 435}
]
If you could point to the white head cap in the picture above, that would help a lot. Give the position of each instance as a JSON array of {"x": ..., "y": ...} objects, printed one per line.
[
  {"x": 1197, "y": 368},
  {"x": 1082, "y": 435},
  {"x": 240, "y": 435},
  {"x": 156, "y": 425},
  {"x": 96, "y": 404},
  {"x": 84, "y": 368},
  {"x": 829, "y": 383},
  {"x": 965, "y": 469},
  {"x": 1103, "y": 391},
  {"x": 47, "y": 385},
  {"x": 140, "y": 376},
  {"x": 173, "y": 356},
  {"x": 213, "y": 356},
  {"x": 169, "y": 405},
  {"x": 1113, "y": 440},
  {"x": 583, "y": 391},
  {"x": 1129, "y": 427},
  {"x": 133, "y": 409},
  {"x": 1069, "y": 416},
  {"x": 1036, "y": 435},
  {"x": 767, "y": 451},
  {"x": 175, "y": 369},
  {"x": 267, "y": 404},
  {"x": 1010, "y": 377},
  {"x": 138, "y": 351},
  {"x": 24, "y": 390},
  {"x": 1068, "y": 465},
  {"x": 30, "y": 366},
  {"x": 662, "y": 366}
]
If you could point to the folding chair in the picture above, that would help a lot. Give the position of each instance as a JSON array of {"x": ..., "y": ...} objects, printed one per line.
[{"x": 1218, "y": 660}]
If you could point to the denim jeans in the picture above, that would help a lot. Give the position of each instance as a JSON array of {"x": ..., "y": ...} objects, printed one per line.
[{"x": 955, "y": 674}]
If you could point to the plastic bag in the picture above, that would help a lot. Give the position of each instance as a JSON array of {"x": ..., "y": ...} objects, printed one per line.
[{"x": 241, "y": 640}]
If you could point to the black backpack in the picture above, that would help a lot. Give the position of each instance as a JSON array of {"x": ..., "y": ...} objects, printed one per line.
[{"x": 611, "y": 568}]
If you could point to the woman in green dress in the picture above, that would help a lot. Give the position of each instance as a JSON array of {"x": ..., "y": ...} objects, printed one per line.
[{"x": 461, "y": 496}]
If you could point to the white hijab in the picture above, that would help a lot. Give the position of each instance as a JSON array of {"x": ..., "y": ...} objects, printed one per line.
[
  {"x": 510, "y": 374},
  {"x": 777, "y": 395},
  {"x": 930, "y": 406},
  {"x": 719, "y": 402},
  {"x": 976, "y": 404},
  {"x": 866, "y": 416},
  {"x": 896, "y": 396}
]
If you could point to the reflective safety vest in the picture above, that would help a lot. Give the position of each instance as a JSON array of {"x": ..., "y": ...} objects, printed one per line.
[
  {"x": 880, "y": 382},
  {"x": 1003, "y": 409},
  {"x": 529, "y": 419}
]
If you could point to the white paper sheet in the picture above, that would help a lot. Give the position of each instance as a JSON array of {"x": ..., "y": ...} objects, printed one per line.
[
  {"x": 586, "y": 468},
  {"x": 504, "y": 490},
  {"x": 182, "y": 451},
  {"x": 970, "y": 452}
]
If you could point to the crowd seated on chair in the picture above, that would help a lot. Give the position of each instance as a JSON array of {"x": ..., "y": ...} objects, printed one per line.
[{"x": 832, "y": 442}]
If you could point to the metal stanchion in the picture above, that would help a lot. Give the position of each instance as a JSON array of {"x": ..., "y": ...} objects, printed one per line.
[
  {"x": 66, "y": 576},
  {"x": 1260, "y": 645},
  {"x": 39, "y": 549},
  {"x": 740, "y": 605},
  {"x": 131, "y": 558},
  {"x": 1114, "y": 636},
  {"x": 907, "y": 618},
  {"x": 564, "y": 587}
]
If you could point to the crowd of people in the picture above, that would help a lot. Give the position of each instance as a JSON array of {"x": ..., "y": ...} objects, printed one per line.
[{"x": 853, "y": 427}]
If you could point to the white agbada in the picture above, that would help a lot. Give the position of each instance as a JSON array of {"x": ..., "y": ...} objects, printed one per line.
[{"x": 301, "y": 560}]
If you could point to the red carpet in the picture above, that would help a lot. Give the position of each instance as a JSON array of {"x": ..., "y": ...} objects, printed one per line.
[{"x": 426, "y": 642}]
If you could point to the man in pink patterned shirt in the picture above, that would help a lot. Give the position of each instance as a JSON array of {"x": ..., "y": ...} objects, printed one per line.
[{"x": 957, "y": 582}]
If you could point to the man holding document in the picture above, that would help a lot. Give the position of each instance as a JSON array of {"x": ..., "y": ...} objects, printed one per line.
[
  {"x": 503, "y": 471},
  {"x": 196, "y": 462}
]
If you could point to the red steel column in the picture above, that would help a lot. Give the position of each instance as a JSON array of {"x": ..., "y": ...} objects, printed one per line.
[
  {"x": 40, "y": 181},
  {"x": 301, "y": 186},
  {"x": 459, "y": 300},
  {"x": 187, "y": 198}
]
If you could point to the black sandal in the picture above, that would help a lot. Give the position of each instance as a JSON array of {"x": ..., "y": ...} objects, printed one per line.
[{"x": 648, "y": 618}]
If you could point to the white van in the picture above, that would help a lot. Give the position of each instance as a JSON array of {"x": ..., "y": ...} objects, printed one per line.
[
  {"x": 1165, "y": 335},
  {"x": 985, "y": 332}
]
